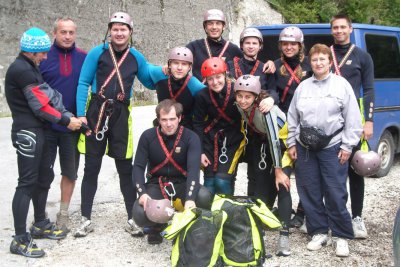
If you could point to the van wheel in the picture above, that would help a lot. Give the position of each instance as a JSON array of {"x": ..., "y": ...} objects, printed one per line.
[{"x": 386, "y": 152}]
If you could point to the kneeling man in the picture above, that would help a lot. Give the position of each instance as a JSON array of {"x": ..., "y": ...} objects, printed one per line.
[{"x": 171, "y": 154}]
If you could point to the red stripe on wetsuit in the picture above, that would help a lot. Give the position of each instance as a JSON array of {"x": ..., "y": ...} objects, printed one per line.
[{"x": 44, "y": 100}]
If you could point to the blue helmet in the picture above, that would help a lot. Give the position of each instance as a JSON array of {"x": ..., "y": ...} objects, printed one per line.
[{"x": 35, "y": 40}]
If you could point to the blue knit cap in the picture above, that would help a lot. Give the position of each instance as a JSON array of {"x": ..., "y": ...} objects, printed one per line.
[{"x": 35, "y": 40}]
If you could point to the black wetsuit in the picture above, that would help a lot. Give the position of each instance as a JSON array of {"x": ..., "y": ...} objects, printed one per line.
[
  {"x": 229, "y": 129},
  {"x": 150, "y": 153},
  {"x": 282, "y": 80},
  {"x": 200, "y": 53},
  {"x": 358, "y": 70},
  {"x": 31, "y": 107}
]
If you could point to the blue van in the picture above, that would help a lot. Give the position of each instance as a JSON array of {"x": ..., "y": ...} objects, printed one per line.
[{"x": 382, "y": 43}]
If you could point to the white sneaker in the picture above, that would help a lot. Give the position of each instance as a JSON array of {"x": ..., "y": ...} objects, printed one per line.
[
  {"x": 303, "y": 227},
  {"x": 318, "y": 241},
  {"x": 342, "y": 247},
  {"x": 360, "y": 232},
  {"x": 84, "y": 228},
  {"x": 133, "y": 229}
]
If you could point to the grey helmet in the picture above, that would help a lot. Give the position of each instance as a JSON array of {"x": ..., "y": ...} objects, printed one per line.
[
  {"x": 291, "y": 34},
  {"x": 159, "y": 210},
  {"x": 366, "y": 163},
  {"x": 248, "y": 83}
]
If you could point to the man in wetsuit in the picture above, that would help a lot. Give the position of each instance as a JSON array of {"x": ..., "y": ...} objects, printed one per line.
[
  {"x": 171, "y": 154},
  {"x": 357, "y": 67}
]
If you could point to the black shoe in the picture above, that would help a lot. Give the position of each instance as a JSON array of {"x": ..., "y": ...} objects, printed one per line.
[
  {"x": 297, "y": 221},
  {"x": 47, "y": 229},
  {"x": 24, "y": 245},
  {"x": 154, "y": 238}
]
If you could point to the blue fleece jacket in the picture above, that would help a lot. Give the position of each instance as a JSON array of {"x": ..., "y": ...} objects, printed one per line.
[{"x": 61, "y": 71}]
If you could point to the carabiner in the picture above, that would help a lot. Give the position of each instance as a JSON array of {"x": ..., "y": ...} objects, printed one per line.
[
  {"x": 262, "y": 164},
  {"x": 223, "y": 158},
  {"x": 100, "y": 135},
  {"x": 170, "y": 194}
]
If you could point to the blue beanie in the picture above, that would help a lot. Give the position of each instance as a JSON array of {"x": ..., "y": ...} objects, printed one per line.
[{"x": 35, "y": 40}]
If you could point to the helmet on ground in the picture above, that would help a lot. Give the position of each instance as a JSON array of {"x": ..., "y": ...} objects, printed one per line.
[
  {"x": 35, "y": 40},
  {"x": 212, "y": 66},
  {"x": 121, "y": 17},
  {"x": 251, "y": 32},
  {"x": 366, "y": 163},
  {"x": 214, "y": 14},
  {"x": 181, "y": 53},
  {"x": 159, "y": 210},
  {"x": 248, "y": 83},
  {"x": 291, "y": 34}
]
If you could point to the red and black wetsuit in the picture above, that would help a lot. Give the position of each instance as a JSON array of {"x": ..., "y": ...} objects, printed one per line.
[
  {"x": 282, "y": 81},
  {"x": 241, "y": 66},
  {"x": 214, "y": 128},
  {"x": 150, "y": 154}
]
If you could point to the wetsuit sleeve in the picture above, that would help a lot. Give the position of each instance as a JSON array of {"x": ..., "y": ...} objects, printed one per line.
[
  {"x": 270, "y": 86},
  {"x": 199, "y": 117},
  {"x": 352, "y": 130},
  {"x": 231, "y": 69},
  {"x": 39, "y": 100},
  {"x": 195, "y": 86},
  {"x": 139, "y": 165},
  {"x": 156, "y": 74},
  {"x": 143, "y": 70},
  {"x": 367, "y": 80},
  {"x": 193, "y": 167},
  {"x": 87, "y": 79}
]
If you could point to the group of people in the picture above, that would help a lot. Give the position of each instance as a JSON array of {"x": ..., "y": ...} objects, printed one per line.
[{"x": 218, "y": 106}]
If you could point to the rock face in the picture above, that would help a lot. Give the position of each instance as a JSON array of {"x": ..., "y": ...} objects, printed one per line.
[{"x": 158, "y": 25}]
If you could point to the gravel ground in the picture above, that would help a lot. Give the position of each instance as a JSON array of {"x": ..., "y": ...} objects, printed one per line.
[{"x": 110, "y": 245}]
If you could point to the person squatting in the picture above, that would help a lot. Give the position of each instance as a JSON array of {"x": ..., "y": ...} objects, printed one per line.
[{"x": 218, "y": 106}]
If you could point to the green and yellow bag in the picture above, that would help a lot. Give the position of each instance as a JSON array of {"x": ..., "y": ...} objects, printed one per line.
[
  {"x": 197, "y": 235},
  {"x": 242, "y": 238}
]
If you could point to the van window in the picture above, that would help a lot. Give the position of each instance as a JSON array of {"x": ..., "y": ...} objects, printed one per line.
[
  {"x": 385, "y": 53},
  {"x": 270, "y": 48}
]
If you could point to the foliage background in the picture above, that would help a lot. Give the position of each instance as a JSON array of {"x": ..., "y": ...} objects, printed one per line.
[{"x": 382, "y": 12}]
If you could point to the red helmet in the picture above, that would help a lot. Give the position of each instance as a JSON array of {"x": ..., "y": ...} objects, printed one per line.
[
  {"x": 181, "y": 53},
  {"x": 159, "y": 211},
  {"x": 291, "y": 34},
  {"x": 366, "y": 163},
  {"x": 251, "y": 32},
  {"x": 212, "y": 66},
  {"x": 214, "y": 14},
  {"x": 248, "y": 83},
  {"x": 121, "y": 17}
]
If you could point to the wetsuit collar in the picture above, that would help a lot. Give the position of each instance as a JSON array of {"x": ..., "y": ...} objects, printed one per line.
[
  {"x": 220, "y": 41},
  {"x": 292, "y": 61}
]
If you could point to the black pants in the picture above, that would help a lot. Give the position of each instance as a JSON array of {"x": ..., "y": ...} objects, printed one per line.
[
  {"x": 262, "y": 182},
  {"x": 90, "y": 178},
  {"x": 35, "y": 176}
]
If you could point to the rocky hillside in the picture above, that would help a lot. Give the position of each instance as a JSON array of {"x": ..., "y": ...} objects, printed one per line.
[{"x": 158, "y": 25}]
